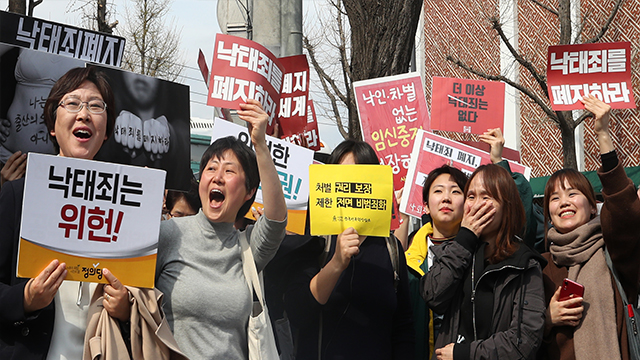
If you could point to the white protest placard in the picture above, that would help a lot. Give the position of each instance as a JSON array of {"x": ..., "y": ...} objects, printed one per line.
[
  {"x": 431, "y": 151},
  {"x": 90, "y": 215},
  {"x": 292, "y": 164}
]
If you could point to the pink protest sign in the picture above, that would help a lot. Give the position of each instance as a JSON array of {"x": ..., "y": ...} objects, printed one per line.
[
  {"x": 391, "y": 110},
  {"x": 467, "y": 106},
  {"x": 241, "y": 70},
  {"x": 602, "y": 69},
  {"x": 431, "y": 151}
]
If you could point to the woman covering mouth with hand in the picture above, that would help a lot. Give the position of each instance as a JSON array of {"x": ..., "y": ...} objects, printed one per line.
[{"x": 199, "y": 267}]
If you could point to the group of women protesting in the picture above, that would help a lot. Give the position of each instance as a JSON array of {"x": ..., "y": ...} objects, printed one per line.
[{"x": 469, "y": 286}]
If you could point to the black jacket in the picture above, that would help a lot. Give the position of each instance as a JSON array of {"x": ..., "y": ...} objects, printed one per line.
[{"x": 512, "y": 289}]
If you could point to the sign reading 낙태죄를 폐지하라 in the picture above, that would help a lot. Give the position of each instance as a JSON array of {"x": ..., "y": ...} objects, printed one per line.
[
  {"x": 243, "y": 69},
  {"x": 55, "y": 38},
  {"x": 343, "y": 196},
  {"x": 90, "y": 215},
  {"x": 600, "y": 69}
]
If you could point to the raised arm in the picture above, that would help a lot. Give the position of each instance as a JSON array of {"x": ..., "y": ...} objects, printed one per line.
[{"x": 275, "y": 207}]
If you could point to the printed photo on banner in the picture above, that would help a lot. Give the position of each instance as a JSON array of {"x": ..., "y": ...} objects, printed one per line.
[
  {"x": 344, "y": 196},
  {"x": 601, "y": 69},
  {"x": 292, "y": 164},
  {"x": 431, "y": 151},
  {"x": 243, "y": 69},
  {"x": 60, "y": 39},
  {"x": 296, "y": 115},
  {"x": 90, "y": 215},
  {"x": 27, "y": 77},
  {"x": 152, "y": 126},
  {"x": 391, "y": 110},
  {"x": 467, "y": 106}
]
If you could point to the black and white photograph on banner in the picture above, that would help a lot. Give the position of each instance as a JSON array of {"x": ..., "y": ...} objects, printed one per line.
[
  {"x": 26, "y": 77},
  {"x": 152, "y": 126}
]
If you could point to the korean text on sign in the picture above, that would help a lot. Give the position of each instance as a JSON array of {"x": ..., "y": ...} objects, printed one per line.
[
  {"x": 241, "y": 70},
  {"x": 391, "y": 109},
  {"x": 601, "y": 69},
  {"x": 91, "y": 215},
  {"x": 343, "y": 196}
]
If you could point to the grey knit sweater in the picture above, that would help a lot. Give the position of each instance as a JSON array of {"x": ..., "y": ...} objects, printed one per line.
[{"x": 199, "y": 269}]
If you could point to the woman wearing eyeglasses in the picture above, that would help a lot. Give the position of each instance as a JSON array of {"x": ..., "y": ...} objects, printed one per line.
[{"x": 46, "y": 317}]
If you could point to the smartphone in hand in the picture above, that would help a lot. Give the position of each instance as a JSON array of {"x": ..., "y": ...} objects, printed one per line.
[{"x": 570, "y": 289}]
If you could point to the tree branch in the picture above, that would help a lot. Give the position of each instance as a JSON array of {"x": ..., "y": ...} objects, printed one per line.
[
  {"x": 495, "y": 23},
  {"x": 546, "y": 7},
  {"x": 550, "y": 113},
  {"x": 327, "y": 82},
  {"x": 604, "y": 28},
  {"x": 585, "y": 115}
]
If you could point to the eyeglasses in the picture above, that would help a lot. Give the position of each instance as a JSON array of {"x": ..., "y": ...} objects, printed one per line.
[{"x": 94, "y": 106}]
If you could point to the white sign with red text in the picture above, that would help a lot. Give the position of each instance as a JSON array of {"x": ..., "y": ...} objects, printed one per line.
[{"x": 91, "y": 215}]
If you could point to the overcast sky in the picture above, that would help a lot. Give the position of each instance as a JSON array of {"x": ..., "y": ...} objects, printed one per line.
[{"x": 198, "y": 22}]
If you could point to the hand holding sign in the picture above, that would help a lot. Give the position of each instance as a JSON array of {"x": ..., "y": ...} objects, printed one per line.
[
  {"x": 40, "y": 291},
  {"x": 116, "y": 297},
  {"x": 347, "y": 246},
  {"x": 494, "y": 138},
  {"x": 601, "y": 112},
  {"x": 256, "y": 119}
]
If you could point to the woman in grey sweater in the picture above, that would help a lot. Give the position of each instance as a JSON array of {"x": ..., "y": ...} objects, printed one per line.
[{"x": 199, "y": 268}]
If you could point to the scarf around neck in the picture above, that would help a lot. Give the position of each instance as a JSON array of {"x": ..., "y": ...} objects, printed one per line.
[{"x": 582, "y": 251}]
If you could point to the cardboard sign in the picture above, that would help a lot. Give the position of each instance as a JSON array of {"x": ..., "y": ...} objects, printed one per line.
[
  {"x": 294, "y": 95},
  {"x": 292, "y": 164},
  {"x": 343, "y": 196},
  {"x": 467, "y": 106},
  {"x": 601, "y": 69},
  {"x": 55, "y": 38},
  {"x": 243, "y": 69},
  {"x": 431, "y": 151},
  {"x": 391, "y": 110},
  {"x": 90, "y": 215}
]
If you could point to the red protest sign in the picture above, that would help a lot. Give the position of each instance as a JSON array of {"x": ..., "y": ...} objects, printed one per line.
[
  {"x": 308, "y": 136},
  {"x": 204, "y": 69},
  {"x": 391, "y": 110},
  {"x": 602, "y": 69},
  {"x": 467, "y": 106},
  {"x": 431, "y": 151},
  {"x": 243, "y": 69},
  {"x": 293, "y": 97}
]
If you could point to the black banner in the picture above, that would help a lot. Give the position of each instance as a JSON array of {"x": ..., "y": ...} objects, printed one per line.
[{"x": 56, "y": 38}]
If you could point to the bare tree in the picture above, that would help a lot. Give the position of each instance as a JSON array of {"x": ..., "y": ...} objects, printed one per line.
[
  {"x": 155, "y": 42},
  {"x": 540, "y": 95},
  {"x": 95, "y": 14},
  {"x": 20, "y": 6},
  {"x": 379, "y": 42}
]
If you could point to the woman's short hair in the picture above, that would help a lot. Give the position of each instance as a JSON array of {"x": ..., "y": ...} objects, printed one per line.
[
  {"x": 500, "y": 185},
  {"x": 576, "y": 180},
  {"x": 192, "y": 197},
  {"x": 458, "y": 176},
  {"x": 70, "y": 81},
  {"x": 362, "y": 152},
  {"x": 247, "y": 159}
]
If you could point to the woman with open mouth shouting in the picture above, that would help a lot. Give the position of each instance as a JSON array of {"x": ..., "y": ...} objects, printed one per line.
[{"x": 199, "y": 266}]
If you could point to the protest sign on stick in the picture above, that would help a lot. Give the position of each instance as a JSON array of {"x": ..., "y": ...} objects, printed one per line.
[{"x": 600, "y": 69}]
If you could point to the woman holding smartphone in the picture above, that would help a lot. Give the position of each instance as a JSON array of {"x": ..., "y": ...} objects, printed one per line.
[{"x": 593, "y": 326}]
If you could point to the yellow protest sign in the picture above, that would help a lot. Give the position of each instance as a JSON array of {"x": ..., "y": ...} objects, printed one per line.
[{"x": 343, "y": 196}]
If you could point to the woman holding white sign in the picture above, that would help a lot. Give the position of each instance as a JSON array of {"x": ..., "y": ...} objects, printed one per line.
[
  {"x": 200, "y": 263},
  {"x": 46, "y": 317},
  {"x": 355, "y": 303}
]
